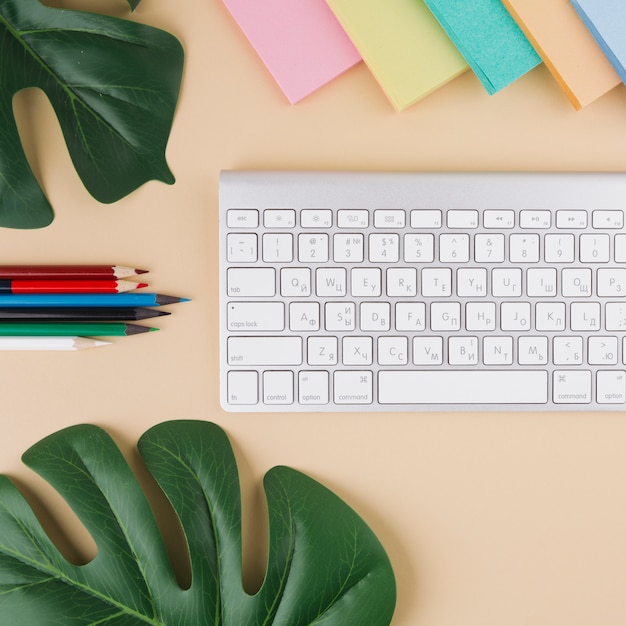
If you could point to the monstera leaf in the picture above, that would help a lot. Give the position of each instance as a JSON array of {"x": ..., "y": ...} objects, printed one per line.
[
  {"x": 113, "y": 84},
  {"x": 325, "y": 566}
]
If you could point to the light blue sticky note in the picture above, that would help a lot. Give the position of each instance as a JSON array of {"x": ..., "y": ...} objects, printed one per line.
[
  {"x": 606, "y": 21},
  {"x": 488, "y": 37}
]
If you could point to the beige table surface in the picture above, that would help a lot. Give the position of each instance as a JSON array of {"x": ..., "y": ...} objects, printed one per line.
[{"x": 490, "y": 520}]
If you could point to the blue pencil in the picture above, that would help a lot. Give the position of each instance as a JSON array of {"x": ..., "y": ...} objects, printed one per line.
[{"x": 87, "y": 300}]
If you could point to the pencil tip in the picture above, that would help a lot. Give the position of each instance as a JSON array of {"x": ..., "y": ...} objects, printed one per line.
[
  {"x": 136, "y": 329},
  {"x": 161, "y": 299},
  {"x": 141, "y": 285},
  {"x": 141, "y": 271}
]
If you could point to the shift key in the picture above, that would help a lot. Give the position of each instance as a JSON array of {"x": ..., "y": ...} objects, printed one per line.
[{"x": 264, "y": 350}]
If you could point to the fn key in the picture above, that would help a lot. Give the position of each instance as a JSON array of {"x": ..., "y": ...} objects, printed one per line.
[{"x": 243, "y": 387}]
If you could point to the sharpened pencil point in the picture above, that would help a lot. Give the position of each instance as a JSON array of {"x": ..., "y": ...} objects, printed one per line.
[
  {"x": 141, "y": 271},
  {"x": 161, "y": 299}
]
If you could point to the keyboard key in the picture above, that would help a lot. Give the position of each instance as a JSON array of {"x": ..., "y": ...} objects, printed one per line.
[
  {"x": 426, "y": 218},
  {"x": 427, "y": 351},
  {"x": 611, "y": 387},
  {"x": 571, "y": 219},
  {"x": 504, "y": 218},
  {"x": 384, "y": 248},
  {"x": 524, "y": 248},
  {"x": 602, "y": 350},
  {"x": 279, "y": 218},
  {"x": 277, "y": 248},
  {"x": 316, "y": 218},
  {"x": 331, "y": 282},
  {"x": 243, "y": 387},
  {"x": 462, "y": 387},
  {"x": 571, "y": 386},
  {"x": 454, "y": 248},
  {"x": 295, "y": 282},
  {"x": 467, "y": 218},
  {"x": 268, "y": 351},
  {"x": 340, "y": 316},
  {"x": 608, "y": 220},
  {"x": 278, "y": 387},
  {"x": 251, "y": 282},
  {"x": 241, "y": 248},
  {"x": 256, "y": 316},
  {"x": 389, "y": 219},
  {"x": 313, "y": 387},
  {"x": 304, "y": 316},
  {"x": 313, "y": 248},
  {"x": 353, "y": 387},
  {"x": 612, "y": 282},
  {"x": 594, "y": 248},
  {"x": 348, "y": 248},
  {"x": 356, "y": 218},
  {"x": 489, "y": 248},
  {"x": 322, "y": 350},
  {"x": 365, "y": 281},
  {"x": 242, "y": 218},
  {"x": 393, "y": 350},
  {"x": 357, "y": 351},
  {"x": 559, "y": 248},
  {"x": 540, "y": 219},
  {"x": 567, "y": 350},
  {"x": 419, "y": 248}
]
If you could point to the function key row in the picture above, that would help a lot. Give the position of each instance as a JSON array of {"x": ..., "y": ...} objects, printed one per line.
[{"x": 536, "y": 219}]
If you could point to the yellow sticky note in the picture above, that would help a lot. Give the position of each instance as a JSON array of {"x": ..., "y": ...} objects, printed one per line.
[
  {"x": 566, "y": 47},
  {"x": 402, "y": 43}
]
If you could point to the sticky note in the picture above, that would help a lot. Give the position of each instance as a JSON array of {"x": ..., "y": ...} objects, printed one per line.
[
  {"x": 300, "y": 41},
  {"x": 489, "y": 38},
  {"x": 566, "y": 47},
  {"x": 606, "y": 21},
  {"x": 402, "y": 43}
]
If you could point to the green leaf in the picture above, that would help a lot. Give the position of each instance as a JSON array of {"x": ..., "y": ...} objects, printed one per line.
[
  {"x": 325, "y": 566},
  {"x": 113, "y": 84}
]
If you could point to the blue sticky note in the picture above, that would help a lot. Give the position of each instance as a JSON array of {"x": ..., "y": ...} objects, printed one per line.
[
  {"x": 488, "y": 37},
  {"x": 606, "y": 21}
]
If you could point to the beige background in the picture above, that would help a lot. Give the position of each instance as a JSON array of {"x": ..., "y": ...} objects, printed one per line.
[{"x": 489, "y": 520}]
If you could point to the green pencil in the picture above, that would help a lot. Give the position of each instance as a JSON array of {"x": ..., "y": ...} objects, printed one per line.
[{"x": 65, "y": 329}]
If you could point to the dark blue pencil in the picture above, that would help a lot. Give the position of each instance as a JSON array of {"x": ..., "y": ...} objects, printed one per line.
[{"x": 87, "y": 300}]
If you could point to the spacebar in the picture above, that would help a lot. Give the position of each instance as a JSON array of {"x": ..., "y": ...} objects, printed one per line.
[{"x": 463, "y": 387}]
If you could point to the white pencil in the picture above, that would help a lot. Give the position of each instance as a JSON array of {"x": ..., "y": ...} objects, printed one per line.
[{"x": 50, "y": 343}]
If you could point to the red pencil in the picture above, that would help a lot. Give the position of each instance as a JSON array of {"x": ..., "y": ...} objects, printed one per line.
[
  {"x": 69, "y": 271},
  {"x": 68, "y": 286}
]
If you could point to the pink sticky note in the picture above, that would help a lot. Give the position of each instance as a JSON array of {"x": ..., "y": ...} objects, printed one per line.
[{"x": 301, "y": 42}]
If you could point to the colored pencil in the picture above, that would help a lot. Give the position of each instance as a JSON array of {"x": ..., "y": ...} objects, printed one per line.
[
  {"x": 78, "y": 314},
  {"x": 63, "y": 329},
  {"x": 50, "y": 343},
  {"x": 86, "y": 299},
  {"x": 19, "y": 285},
  {"x": 68, "y": 271}
]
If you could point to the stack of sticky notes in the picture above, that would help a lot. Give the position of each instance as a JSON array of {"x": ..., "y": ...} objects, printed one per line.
[
  {"x": 566, "y": 47},
  {"x": 489, "y": 39},
  {"x": 403, "y": 45},
  {"x": 300, "y": 42},
  {"x": 606, "y": 21},
  {"x": 414, "y": 47}
]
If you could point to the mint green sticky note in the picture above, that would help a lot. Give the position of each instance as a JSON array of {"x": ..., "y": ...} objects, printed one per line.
[{"x": 488, "y": 37}]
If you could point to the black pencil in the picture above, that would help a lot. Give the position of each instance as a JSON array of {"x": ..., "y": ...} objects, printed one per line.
[{"x": 78, "y": 314}]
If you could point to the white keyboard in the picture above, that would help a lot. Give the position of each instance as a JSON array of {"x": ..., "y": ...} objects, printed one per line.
[{"x": 415, "y": 292}]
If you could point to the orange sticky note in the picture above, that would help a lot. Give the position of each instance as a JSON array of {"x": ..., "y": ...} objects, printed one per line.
[{"x": 566, "y": 47}]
